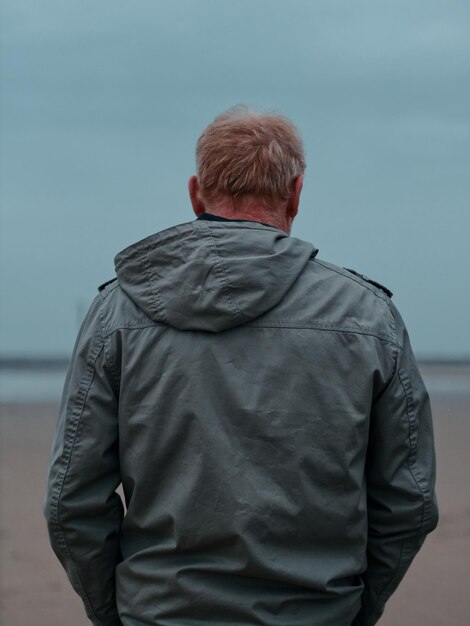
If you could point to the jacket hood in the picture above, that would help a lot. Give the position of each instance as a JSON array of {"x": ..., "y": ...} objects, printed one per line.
[{"x": 211, "y": 275}]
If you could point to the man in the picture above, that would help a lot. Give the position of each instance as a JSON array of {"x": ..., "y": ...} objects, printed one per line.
[{"x": 262, "y": 409}]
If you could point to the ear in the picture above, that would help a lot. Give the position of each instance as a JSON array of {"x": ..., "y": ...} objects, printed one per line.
[
  {"x": 293, "y": 205},
  {"x": 195, "y": 195}
]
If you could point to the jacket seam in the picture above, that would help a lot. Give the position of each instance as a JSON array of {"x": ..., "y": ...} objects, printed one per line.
[
  {"x": 283, "y": 326},
  {"x": 111, "y": 331},
  {"x": 107, "y": 356},
  {"x": 145, "y": 264},
  {"x": 393, "y": 322},
  {"x": 239, "y": 315},
  {"x": 411, "y": 457},
  {"x": 321, "y": 326},
  {"x": 397, "y": 352},
  {"x": 71, "y": 440}
]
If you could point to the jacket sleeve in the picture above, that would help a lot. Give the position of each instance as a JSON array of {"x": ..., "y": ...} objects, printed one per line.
[
  {"x": 82, "y": 509},
  {"x": 400, "y": 475}
]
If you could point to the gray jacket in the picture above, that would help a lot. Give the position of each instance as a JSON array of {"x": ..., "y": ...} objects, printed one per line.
[{"x": 265, "y": 415}]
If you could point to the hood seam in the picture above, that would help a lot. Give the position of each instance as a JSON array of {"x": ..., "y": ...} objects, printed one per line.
[
  {"x": 156, "y": 297},
  {"x": 239, "y": 315}
]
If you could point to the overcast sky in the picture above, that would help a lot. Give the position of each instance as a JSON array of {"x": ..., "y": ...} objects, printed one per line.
[{"x": 103, "y": 101}]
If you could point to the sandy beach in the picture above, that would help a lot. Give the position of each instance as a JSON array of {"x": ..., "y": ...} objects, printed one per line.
[{"x": 34, "y": 588}]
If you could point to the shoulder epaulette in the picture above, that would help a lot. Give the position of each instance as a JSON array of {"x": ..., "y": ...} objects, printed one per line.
[
  {"x": 372, "y": 282},
  {"x": 106, "y": 283}
]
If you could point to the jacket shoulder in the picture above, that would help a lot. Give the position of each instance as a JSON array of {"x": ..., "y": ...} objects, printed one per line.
[
  {"x": 117, "y": 309},
  {"x": 386, "y": 290},
  {"x": 107, "y": 286}
]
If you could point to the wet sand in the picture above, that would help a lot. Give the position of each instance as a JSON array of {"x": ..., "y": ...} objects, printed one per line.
[{"x": 35, "y": 591}]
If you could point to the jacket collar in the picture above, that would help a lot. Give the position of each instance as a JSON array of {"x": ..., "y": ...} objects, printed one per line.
[{"x": 219, "y": 218}]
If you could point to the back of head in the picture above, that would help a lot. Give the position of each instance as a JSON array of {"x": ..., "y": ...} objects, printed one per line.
[{"x": 245, "y": 154}]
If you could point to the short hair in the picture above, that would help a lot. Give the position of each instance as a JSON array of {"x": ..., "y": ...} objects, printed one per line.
[{"x": 245, "y": 153}]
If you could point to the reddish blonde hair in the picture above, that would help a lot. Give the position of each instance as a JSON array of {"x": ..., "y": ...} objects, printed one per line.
[{"x": 244, "y": 153}]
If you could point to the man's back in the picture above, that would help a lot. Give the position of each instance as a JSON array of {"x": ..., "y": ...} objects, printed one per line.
[{"x": 243, "y": 431}]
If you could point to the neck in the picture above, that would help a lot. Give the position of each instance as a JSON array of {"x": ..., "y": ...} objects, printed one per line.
[{"x": 275, "y": 215}]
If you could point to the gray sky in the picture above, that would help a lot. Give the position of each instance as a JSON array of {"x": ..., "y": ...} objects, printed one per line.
[{"x": 102, "y": 103}]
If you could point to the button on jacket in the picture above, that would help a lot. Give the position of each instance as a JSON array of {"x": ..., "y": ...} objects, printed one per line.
[{"x": 265, "y": 415}]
